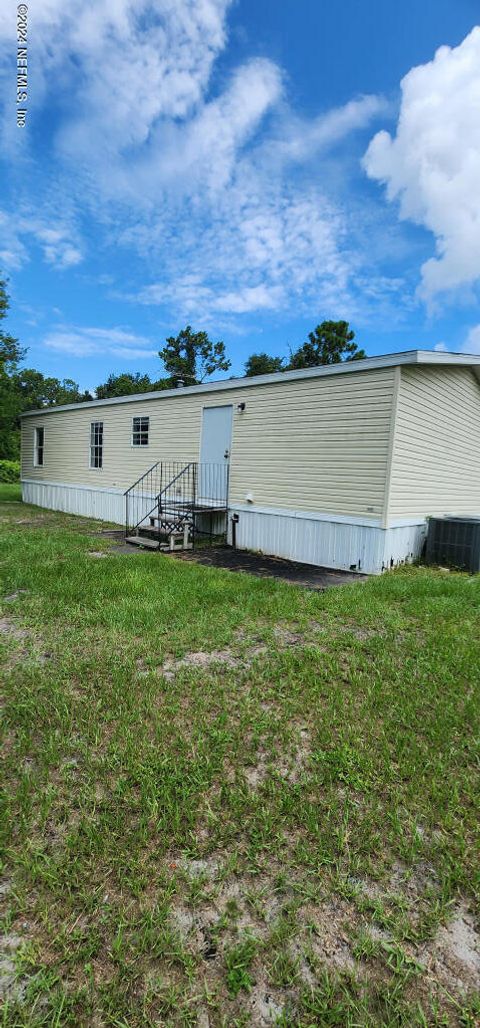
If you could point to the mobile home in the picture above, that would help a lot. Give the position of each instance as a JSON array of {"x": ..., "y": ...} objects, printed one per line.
[{"x": 338, "y": 466}]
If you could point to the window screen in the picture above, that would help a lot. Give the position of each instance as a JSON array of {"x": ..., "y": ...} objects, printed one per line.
[
  {"x": 39, "y": 447},
  {"x": 140, "y": 428},
  {"x": 96, "y": 444}
]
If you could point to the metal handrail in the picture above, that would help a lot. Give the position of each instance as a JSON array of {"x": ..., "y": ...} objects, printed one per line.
[
  {"x": 174, "y": 479},
  {"x": 157, "y": 496},
  {"x": 158, "y": 490},
  {"x": 142, "y": 477}
]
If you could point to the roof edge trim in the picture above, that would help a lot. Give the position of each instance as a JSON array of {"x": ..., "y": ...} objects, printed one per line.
[{"x": 346, "y": 367}]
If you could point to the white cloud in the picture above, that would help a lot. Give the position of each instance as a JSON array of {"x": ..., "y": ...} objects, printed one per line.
[
  {"x": 472, "y": 342},
  {"x": 128, "y": 354},
  {"x": 60, "y": 244},
  {"x": 184, "y": 157},
  {"x": 263, "y": 246},
  {"x": 470, "y": 345},
  {"x": 217, "y": 187},
  {"x": 89, "y": 342},
  {"x": 301, "y": 138},
  {"x": 58, "y": 249},
  {"x": 432, "y": 165},
  {"x": 129, "y": 63},
  {"x": 192, "y": 298},
  {"x": 12, "y": 251},
  {"x": 251, "y": 298}
]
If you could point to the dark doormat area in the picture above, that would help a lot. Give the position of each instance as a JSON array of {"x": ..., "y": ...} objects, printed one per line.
[{"x": 310, "y": 576}]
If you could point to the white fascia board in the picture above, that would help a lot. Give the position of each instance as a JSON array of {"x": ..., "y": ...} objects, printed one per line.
[
  {"x": 445, "y": 357},
  {"x": 345, "y": 368}
]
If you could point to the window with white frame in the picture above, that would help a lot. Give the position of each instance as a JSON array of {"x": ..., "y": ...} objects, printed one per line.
[
  {"x": 140, "y": 430},
  {"x": 96, "y": 444},
  {"x": 39, "y": 447}
]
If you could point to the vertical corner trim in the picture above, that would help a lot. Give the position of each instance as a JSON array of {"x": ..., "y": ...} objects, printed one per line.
[{"x": 391, "y": 445}]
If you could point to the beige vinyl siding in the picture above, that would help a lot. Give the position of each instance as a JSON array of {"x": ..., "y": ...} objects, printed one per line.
[
  {"x": 312, "y": 444},
  {"x": 436, "y": 453}
]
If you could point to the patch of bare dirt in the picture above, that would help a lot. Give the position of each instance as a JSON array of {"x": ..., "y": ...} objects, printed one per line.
[
  {"x": 243, "y": 904},
  {"x": 290, "y": 768},
  {"x": 407, "y": 883},
  {"x": 324, "y": 931},
  {"x": 207, "y": 867},
  {"x": 12, "y": 988},
  {"x": 359, "y": 631},
  {"x": 412, "y": 881},
  {"x": 197, "y": 929},
  {"x": 288, "y": 638},
  {"x": 453, "y": 956},
  {"x": 15, "y": 595},
  {"x": 8, "y": 627},
  {"x": 5, "y": 887},
  {"x": 264, "y": 1004},
  {"x": 31, "y": 521},
  {"x": 98, "y": 554},
  {"x": 230, "y": 903},
  {"x": 11, "y": 630},
  {"x": 201, "y": 659},
  {"x": 19, "y": 635},
  {"x": 228, "y": 657}
]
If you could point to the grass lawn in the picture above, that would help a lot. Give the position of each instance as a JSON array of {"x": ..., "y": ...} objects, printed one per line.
[
  {"x": 10, "y": 492},
  {"x": 230, "y": 801}
]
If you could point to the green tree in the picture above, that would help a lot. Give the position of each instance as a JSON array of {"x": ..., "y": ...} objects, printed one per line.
[
  {"x": 35, "y": 390},
  {"x": 127, "y": 383},
  {"x": 262, "y": 364},
  {"x": 23, "y": 389},
  {"x": 191, "y": 357},
  {"x": 10, "y": 404},
  {"x": 330, "y": 343}
]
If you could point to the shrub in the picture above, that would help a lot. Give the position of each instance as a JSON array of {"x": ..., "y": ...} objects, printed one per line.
[{"x": 9, "y": 470}]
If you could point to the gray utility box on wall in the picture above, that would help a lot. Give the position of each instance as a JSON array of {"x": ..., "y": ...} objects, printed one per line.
[{"x": 454, "y": 541}]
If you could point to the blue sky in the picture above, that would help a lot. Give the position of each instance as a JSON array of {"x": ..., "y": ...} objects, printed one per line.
[{"x": 250, "y": 168}]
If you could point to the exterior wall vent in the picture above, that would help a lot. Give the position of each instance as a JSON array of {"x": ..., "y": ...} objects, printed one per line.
[{"x": 455, "y": 542}]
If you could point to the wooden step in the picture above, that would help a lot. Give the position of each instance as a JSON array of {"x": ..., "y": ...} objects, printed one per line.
[
  {"x": 166, "y": 521},
  {"x": 161, "y": 533},
  {"x": 142, "y": 540}
]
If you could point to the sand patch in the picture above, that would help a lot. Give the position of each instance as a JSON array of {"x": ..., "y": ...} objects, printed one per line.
[
  {"x": 208, "y": 867},
  {"x": 243, "y": 658},
  {"x": 325, "y": 933},
  {"x": 201, "y": 659},
  {"x": 453, "y": 957},
  {"x": 12, "y": 597},
  {"x": 264, "y": 1005},
  {"x": 8, "y": 627},
  {"x": 290, "y": 768},
  {"x": 287, "y": 638},
  {"x": 12, "y": 988},
  {"x": 12, "y": 631}
]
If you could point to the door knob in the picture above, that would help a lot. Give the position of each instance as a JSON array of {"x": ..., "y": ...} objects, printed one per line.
[{"x": 226, "y": 454}]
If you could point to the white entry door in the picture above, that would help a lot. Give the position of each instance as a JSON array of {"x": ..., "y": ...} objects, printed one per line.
[{"x": 215, "y": 454}]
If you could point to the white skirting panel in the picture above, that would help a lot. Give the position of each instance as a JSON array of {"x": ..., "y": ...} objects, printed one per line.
[
  {"x": 317, "y": 539},
  {"x": 404, "y": 543},
  {"x": 331, "y": 541},
  {"x": 104, "y": 504}
]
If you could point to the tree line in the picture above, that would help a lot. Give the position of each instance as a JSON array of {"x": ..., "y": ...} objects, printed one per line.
[{"x": 188, "y": 359}]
